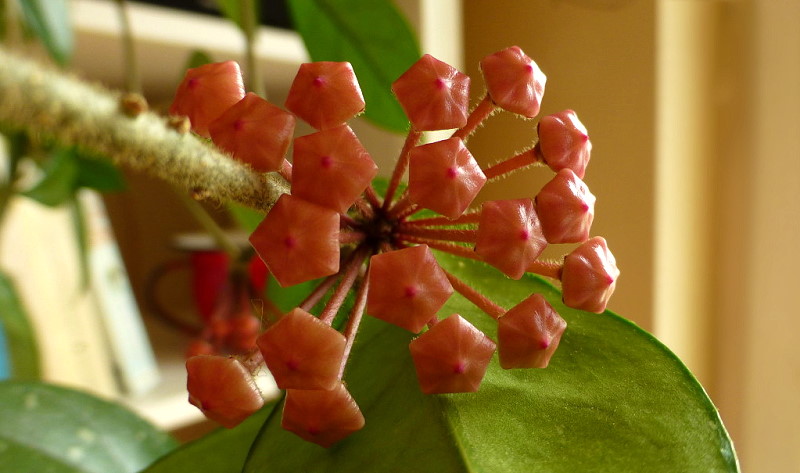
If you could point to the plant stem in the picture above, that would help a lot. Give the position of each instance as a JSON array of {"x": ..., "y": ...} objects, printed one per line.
[
  {"x": 210, "y": 225},
  {"x": 133, "y": 81},
  {"x": 50, "y": 105},
  {"x": 250, "y": 28},
  {"x": 480, "y": 301}
]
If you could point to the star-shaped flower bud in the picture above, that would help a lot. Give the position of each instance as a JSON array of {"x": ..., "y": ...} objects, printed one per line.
[
  {"x": 451, "y": 357},
  {"x": 589, "y": 276},
  {"x": 528, "y": 334},
  {"x": 222, "y": 388},
  {"x": 255, "y": 132},
  {"x": 322, "y": 417},
  {"x": 206, "y": 92},
  {"x": 334, "y": 155},
  {"x": 566, "y": 208},
  {"x": 515, "y": 83},
  {"x": 434, "y": 95},
  {"x": 510, "y": 235},
  {"x": 407, "y": 287},
  {"x": 444, "y": 177},
  {"x": 302, "y": 352},
  {"x": 298, "y": 240},
  {"x": 564, "y": 142},
  {"x": 325, "y": 94}
]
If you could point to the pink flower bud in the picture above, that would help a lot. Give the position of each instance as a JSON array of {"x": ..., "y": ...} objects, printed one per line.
[
  {"x": 407, "y": 287},
  {"x": 434, "y": 95},
  {"x": 255, "y": 132},
  {"x": 331, "y": 168},
  {"x": 302, "y": 352},
  {"x": 322, "y": 417},
  {"x": 589, "y": 276},
  {"x": 298, "y": 241},
  {"x": 451, "y": 357},
  {"x": 325, "y": 94},
  {"x": 206, "y": 92},
  {"x": 515, "y": 83},
  {"x": 222, "y": 388},
  {"x": 444, "y": 177},
  {"x": 529, "y": 333},
  {"x": 510, "y": 235},
  {"x": 566, "y": 208},
  {"x": 564, "y": 142}
]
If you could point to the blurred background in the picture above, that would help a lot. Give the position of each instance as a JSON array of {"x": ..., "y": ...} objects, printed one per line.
[{"x": 693, "y": 108}]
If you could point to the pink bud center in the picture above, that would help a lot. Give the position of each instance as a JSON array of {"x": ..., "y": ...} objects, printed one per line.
[
  {"x": 441, "y": 84},
  {"x": 528, "y": 69},
  {"x": 318, "y": 81},
  {"x": 411, "y": 291},
  {"x": 193, "y": 83},
  {"x": 238, "y": 125},
  {"x": 452, "y": 172},
  {"x": 290, "y": 242},
  {"x": 524, "y": 235},
  {"x": 326, "y": 162},
  {"x": 292, "y": 364},
  {"x": 544, "y": 343},
  {"x": 313, "y": 430},
  {"x": 459, "y": 368}
]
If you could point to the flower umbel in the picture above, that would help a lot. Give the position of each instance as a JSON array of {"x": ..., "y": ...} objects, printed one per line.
[{"x": 335, "y": 226}]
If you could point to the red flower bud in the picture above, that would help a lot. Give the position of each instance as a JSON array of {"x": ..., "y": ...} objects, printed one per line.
[
  {"x": 451, "y": 357},
  {"x": 222, "y": 388},
  {"x": 407, "y": 287},
  {"x": 302, "y": 352},
  {"x": 589, "y": 276},
  {"x": 206, "y": 92},
  {"x": 566, "y": 208},
  {"x": 322, "y": 417},
  {"x": 564, "y": 142},
  {"x": 332, "y": 156},
  {"x": 444, "y": 177},
  {"x": 510, "y": 235},
  {"x": 528, "y": 334},
  {"x": 325, "y": 94},
  {"x": 515, "y": 83},
  {"x": 255, "y": 132},
  {"x": 434, "y": 95},
  {"x": 298, "y": 240}
]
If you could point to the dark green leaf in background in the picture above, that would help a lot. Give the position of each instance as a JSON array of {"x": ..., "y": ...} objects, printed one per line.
[
  {"x": 222, "y": 451},
  {"x": 49, "y": 20},
  {"x": 196, "y": 59},
  {"x": 98, "y": 174},
  {"x": 232, "y": 10},
  {"x": 20, "y": 336},
  {"x": 48, "y": 428},
  {"x": 613, "y": 399},
  {"x": 373, "y": 36}
]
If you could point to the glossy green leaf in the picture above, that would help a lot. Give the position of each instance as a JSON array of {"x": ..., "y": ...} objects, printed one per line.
[
  {"x": 49, "y": 428},
  {"x": 23, "y": 349},
  {"x": 57, "y": 186},
  {"x": 613, "y": 399},
  {"x": 247, "y": 218},
  {"x": 222, "y": 451},
  {"x": 373, "y": 36},
  {"x": 49, "y": 20}
]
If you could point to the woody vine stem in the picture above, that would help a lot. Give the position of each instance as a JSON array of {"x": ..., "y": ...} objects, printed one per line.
[{"x": 51, "y": 105}]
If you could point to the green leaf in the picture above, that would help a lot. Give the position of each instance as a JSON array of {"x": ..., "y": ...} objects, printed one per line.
[
  {"x": 247, "y": 218},
  {"x": 222, "y": 451},
  {"x": 613, "y": 399},
  {"x": 20, "y": 336},
  {"x": 48, "y": 428},
  {"x": 373, "y": 36},
  {"x": 196, "y": 59},
  {"x": 98, "y": 174},
  {"x": 60, "y": 176},
  {"x": 232, "y": 10},
  {"x": 49, "y": 20}
]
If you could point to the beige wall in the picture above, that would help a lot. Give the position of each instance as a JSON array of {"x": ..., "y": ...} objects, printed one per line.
[{"x": 600, "y": 61}]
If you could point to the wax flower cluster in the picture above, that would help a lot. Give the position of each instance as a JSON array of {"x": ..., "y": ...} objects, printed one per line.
[{"x": 336, "y": 228}]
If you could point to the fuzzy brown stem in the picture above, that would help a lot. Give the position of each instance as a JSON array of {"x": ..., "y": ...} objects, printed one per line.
[{"x": 47, "y": 104}]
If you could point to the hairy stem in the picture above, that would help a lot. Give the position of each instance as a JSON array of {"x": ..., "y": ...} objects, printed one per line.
[{"x": 50, "y": 105}]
